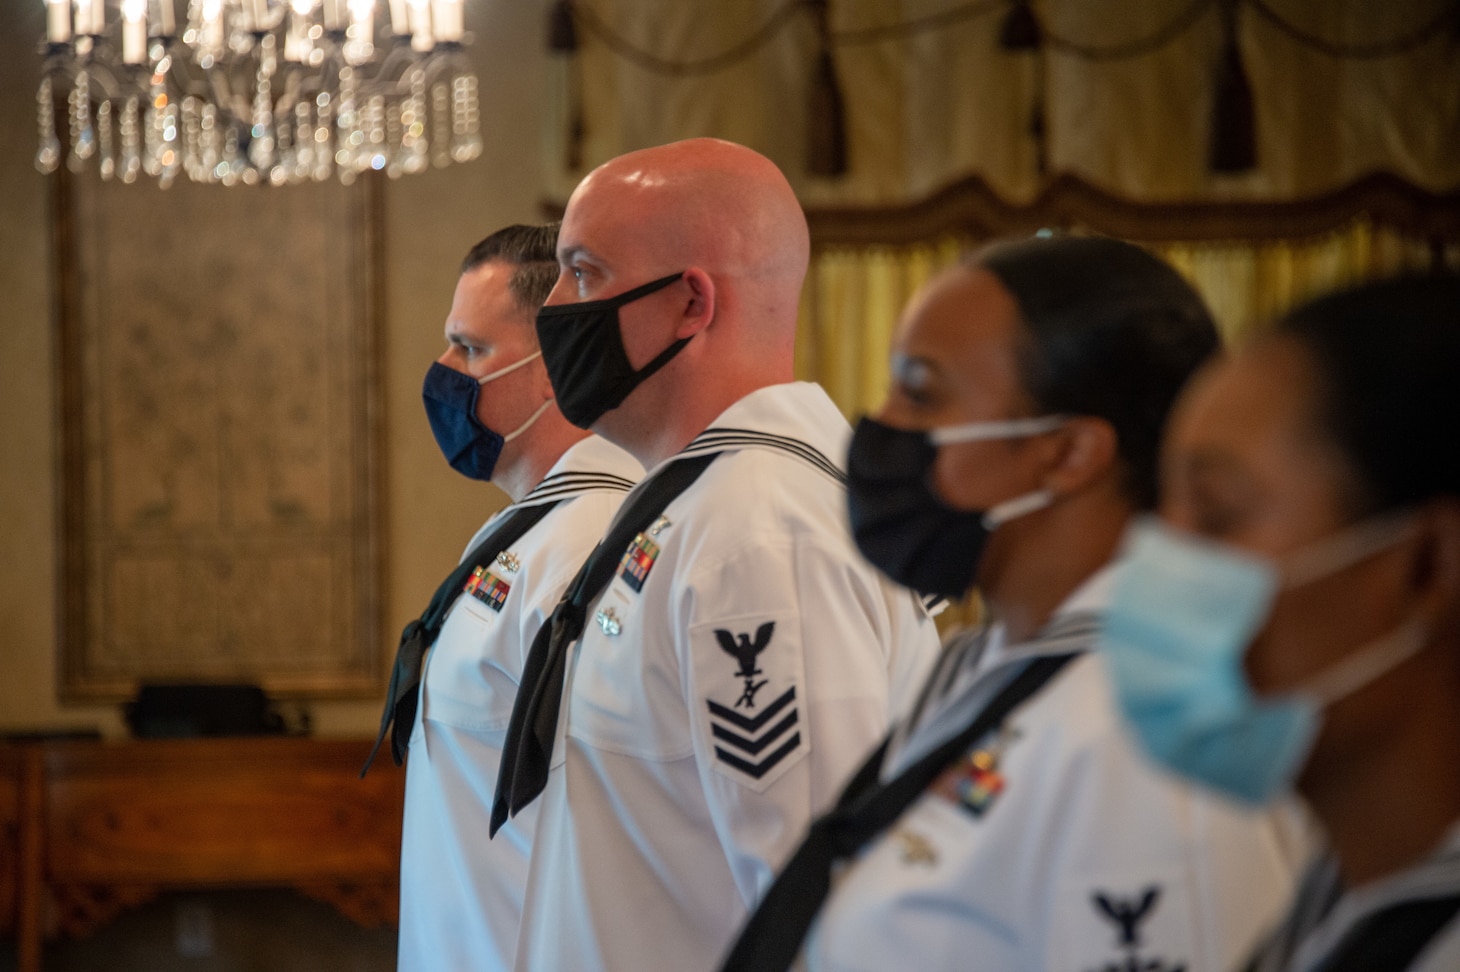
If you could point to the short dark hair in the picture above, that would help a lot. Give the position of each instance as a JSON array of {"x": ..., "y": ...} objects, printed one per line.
[
  {"x": 532, "y": 250},
  {"x": 1110, "y": 331},
  {"x": 1386, "y": 356}
]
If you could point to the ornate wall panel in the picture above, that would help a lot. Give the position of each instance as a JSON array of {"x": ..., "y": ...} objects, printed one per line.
[{"x": 216, "y": 366}]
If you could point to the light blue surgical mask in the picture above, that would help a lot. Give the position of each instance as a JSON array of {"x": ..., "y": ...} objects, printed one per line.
[{"x": 1181, "y": 617}]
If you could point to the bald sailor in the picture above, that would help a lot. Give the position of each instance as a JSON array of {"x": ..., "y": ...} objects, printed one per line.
[{"x": 727, "y": 657}]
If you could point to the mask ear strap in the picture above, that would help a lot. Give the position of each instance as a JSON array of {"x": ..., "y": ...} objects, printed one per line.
[
  {"x": 509, "y": 369},
  {"x": 615, "y": 302},
  {"x": 1005, "y": 429},
  {"x": 1368, "y": 664},
  {"x": 668, "y": 353},
  {"x": 643, "y": 290},
  {"x": 662, "y": 360},
  {"x": 1018, "y": 506},
  {"x": 1351, "y": 546},
  {"x": 525, "y": 425}
]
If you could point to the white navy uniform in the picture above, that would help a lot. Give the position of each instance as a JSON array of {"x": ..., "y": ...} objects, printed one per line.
[
  {"x": 737, "y": 668},
  {"x": 461, "y": 894},
  {"x": 1325, "y": 915},
  {"x": 1053, "y": 845}
]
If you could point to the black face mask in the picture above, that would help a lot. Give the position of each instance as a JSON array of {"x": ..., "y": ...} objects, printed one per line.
[
  {"x": 583, "y": 349},
  {"x": 901, "y": 525}
]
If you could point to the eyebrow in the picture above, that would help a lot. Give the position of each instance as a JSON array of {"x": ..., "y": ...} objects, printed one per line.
[
  {"x": 568, "y": 254},
  {"x": 1211, "y": 460},
  {"x": 455, "y": 336},
  {"x": 1206, "y": 464}
]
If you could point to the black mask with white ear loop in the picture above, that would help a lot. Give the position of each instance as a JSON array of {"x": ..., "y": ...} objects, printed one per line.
[{"x": 901, "y": 525}]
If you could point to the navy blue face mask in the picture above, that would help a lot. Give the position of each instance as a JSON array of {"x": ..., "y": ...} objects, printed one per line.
[
  {"x": 470, "y": 447},
  {"x": 583, "y": 349}
]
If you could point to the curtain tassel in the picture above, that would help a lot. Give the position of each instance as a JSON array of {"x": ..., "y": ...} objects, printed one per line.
[
  {"x": 826, "y": 123},
  {"x": 1020, "y": 30},
  {"x": 562, "y": 38},
  {"x": 562, "y": 34},
  {"x": 1234, "y": 129}
]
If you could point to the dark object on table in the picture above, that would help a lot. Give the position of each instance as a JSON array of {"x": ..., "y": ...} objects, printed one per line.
[{"x": 172, "y": 711}]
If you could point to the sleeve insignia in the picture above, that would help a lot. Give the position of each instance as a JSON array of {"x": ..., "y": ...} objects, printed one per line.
[
  {"x": 744, "y": 652},
  {"x": 1127, "y": 915},
  {"x": 488, "y": 588},
  {"x": 754, "y": 718},
  {"x": 745, "y": 739}
]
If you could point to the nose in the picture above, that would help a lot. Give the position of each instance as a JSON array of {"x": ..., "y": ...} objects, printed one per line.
[{"x": 562, "y": 292}]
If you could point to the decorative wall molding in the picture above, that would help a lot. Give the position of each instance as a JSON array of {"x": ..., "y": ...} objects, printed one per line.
[{"x": 971, "y": 208}]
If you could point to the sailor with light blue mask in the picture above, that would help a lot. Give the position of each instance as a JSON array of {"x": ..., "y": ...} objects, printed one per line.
[
  {"x": 1291, "y": 624},
  {"x": 1183, "y": 614}
]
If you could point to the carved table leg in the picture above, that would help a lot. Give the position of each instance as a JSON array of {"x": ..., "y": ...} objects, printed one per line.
[{"x": 32, "y": 860}]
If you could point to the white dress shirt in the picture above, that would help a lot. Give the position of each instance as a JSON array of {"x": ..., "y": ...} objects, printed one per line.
[
  {"x": 461, "y": 894},
  {"x": 733, "y": 673},
  {"x": 1054, "y": 846}
]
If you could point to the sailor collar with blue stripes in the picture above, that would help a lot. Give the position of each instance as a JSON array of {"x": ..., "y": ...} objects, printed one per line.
[
  {"x": 976, "y": 663},
  {"x": 1324, "y": 912},
  {"x": 796, "y": 418},
  {"x": 588, "y": 466},
  {"x": 1077, "y": 614}
]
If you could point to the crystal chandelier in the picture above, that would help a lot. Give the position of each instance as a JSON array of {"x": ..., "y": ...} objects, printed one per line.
[{"x": 256, "y": 91}]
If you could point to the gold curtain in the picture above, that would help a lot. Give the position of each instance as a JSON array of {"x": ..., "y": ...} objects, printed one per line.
[
  {"x": 849, "y": 309},
  {"x": 854, "y": 295},
  {"x": 1247, "y": 285},
  {"x": 927, "y": 108}
]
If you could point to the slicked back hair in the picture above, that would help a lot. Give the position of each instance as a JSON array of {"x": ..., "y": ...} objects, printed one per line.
[
  {"x": 532, "y": 252},
  {"x": 1109, "y": 330},
  {"x": 1387, "y": 358}
]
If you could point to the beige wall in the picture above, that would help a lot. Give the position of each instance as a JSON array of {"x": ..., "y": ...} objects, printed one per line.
[{"x": 430, "y": 220}]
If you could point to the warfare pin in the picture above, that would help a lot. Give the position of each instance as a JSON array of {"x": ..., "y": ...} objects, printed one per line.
[{"x": 608, "y": 621}]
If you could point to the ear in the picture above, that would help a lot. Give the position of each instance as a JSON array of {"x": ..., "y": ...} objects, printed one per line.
[
  {"x": 1087, "y": 453},
  {"x": 699, "y": 307},
  {"x": 1435, "y": 575}
]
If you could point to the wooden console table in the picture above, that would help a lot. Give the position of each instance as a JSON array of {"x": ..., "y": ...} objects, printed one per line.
[{"x": 89, "y": 829}]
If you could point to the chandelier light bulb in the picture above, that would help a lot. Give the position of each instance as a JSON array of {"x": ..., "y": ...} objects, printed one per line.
[
  {"x": 255, "y": 92},
  {"x": 58, "y": 21}
]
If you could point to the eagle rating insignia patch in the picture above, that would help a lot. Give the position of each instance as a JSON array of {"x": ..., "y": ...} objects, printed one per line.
[
  {"x": 488, "y": 588},
  {"x": 753, "y": 709},
  {"x": 1127, "y": 915}
]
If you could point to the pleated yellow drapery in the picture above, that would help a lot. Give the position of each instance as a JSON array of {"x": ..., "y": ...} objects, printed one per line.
[
  {"x": 1248, "y": 285},
  {"x": 849, "y": 310},
  {"x": 854, "y": 296}
]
